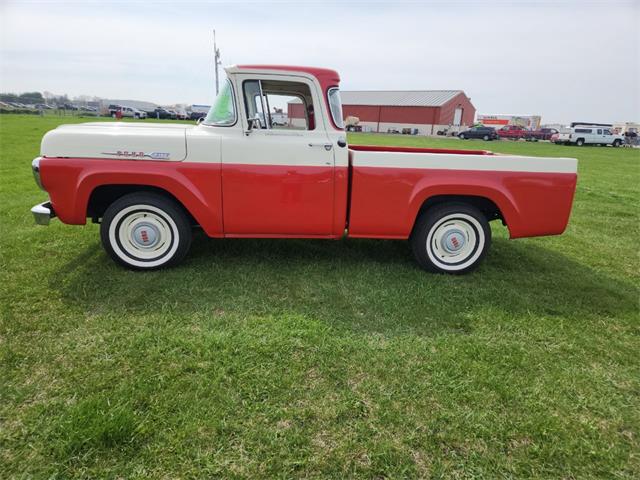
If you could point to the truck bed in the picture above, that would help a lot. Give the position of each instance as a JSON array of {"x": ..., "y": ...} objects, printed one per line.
[{"x": 533, "y": 194}]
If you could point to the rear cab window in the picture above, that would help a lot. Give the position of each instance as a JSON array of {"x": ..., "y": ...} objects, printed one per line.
[{"x": 335, "y": 105}]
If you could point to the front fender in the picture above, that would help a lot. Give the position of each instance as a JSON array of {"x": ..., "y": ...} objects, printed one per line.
[{"x": 70, "y": 182}]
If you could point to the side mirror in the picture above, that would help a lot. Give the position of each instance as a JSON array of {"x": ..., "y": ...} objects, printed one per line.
[{"x": 254, "y": 123}]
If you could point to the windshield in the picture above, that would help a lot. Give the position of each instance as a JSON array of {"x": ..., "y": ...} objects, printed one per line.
[{"x": 222, "y": 111}]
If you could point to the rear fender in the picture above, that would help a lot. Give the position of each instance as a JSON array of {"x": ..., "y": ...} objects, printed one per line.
[{"x": 450, "y": 185}]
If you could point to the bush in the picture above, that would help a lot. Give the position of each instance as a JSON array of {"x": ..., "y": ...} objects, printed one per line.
[{"x": 19, "y": 110}]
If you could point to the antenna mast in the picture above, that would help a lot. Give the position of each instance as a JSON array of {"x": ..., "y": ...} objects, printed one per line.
[{"x": 216, "y": 59}]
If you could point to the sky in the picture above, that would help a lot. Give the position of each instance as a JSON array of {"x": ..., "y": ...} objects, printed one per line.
[{"x": 564, "y": 60}]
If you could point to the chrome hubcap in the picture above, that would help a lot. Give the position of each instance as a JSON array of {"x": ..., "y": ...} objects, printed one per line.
[
  {"x": 453, "y": 240},
  {"x": 145, "y": 235}
]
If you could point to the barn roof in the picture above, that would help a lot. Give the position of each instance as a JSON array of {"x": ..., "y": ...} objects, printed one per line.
[{"x": 399, "y": 98}]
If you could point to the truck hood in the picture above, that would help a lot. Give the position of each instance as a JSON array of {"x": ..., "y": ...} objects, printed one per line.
[{"x": 117, "y": 140}]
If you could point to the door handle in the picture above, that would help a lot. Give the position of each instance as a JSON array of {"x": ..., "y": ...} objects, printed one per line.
[{"x": 327, "y": 146}]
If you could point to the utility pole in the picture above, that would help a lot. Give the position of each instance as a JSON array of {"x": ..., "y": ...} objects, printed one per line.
[{"x": 216, "y": 59}]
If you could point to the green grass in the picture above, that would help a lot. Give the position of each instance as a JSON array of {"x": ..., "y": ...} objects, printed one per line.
[{"x": 298, "y": 358}]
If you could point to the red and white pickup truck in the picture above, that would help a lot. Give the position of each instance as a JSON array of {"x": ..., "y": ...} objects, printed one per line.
[{"x": 238, "y": 175}]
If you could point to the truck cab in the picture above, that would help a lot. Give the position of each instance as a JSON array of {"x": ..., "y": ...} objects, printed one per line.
[{"x": 281, "y": 179}]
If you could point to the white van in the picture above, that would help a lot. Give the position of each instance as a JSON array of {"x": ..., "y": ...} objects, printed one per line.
[{"x": 583, "y": 135}]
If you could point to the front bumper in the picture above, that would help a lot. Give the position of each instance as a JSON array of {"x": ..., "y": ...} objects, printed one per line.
[{"x": 43, "y": 213}]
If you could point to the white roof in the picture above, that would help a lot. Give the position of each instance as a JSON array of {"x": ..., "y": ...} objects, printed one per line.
[{"x": 399, "y": 98}]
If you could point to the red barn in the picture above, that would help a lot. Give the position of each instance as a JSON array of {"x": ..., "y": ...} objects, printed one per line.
[{"x": 423, "y": 110}]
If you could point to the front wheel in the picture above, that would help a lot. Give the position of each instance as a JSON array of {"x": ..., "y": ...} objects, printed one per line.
[
  {"x": 486, "y": 138},
  {"x": 580, "y": 142},
  {"x": 451, "y": 238},
  {"x": 617, "y": 143},
  {"x": 462, "y": 136},
  {"x": 145, "y": 231}
]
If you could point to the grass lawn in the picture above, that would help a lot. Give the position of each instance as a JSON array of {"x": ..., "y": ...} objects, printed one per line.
[{"x": 299, "y": 358}]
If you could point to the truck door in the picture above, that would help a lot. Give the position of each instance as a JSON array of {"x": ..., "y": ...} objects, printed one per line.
[
  {"x": 597, "y": 137},
  {"x": 277, "y": 180},
  {"x": 607, "y": 137}
]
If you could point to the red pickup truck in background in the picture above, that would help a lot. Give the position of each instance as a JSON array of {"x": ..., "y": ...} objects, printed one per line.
[{"x": 514, "y": 132}]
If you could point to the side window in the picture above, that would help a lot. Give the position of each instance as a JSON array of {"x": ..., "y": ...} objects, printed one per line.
[
  {"x": 279, "y": 105},
  {"x": 599, "y": 131}
]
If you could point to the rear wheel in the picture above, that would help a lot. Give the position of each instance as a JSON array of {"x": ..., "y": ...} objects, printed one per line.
[
  {"x": 451, "y": 238},
  {"x": 145, "y": 231}
]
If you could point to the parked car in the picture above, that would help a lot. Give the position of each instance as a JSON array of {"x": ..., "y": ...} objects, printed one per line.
[
  {"x": 561, "y": 137},
  {"x": 485, "y": 133},
  {"x": 234, "y": 178},
  {"x": 182, "y": 115},
  {"x": 631, "y": 136},
  {"x": 279, "y": 119},
  {"x": 163, "y": 113},
  {"x": 197, "y": 115},
  {"x": 592, "y": 135},
  {"x": 542, "y": 134},
  {"x": 514, "y": 132},
  {"x": 113, "y": 110}
]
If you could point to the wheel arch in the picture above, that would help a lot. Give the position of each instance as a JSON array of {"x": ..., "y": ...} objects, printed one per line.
[
  {"x": 494, "y": 204},
  {"x": 95, "y": 193},
  {"x": 104, "y": 195}
]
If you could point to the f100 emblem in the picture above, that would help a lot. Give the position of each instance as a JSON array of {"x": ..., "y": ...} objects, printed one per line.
[{"x": 128, "y": 154}]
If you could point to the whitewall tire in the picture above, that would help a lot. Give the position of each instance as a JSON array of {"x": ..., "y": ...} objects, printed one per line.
[
  {"x": 145, "y": 231},
  {"x": 451, "y": 238}
]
